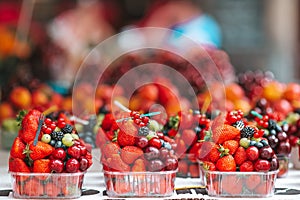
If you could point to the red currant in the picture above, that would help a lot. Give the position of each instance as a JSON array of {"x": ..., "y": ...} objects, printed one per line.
[
  {"x": 145, "y": 120},
  {"x": 137, "y": 121},
  {"x": 52, "y": 126},
  {"x": 48, "y": 121},
  {"x": 48, "y": 130},
  {"x": 61, "y": 124}
]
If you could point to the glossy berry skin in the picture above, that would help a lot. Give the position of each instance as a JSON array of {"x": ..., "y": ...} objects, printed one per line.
[
  {"x": 74, "y": 151},
  {"x": 151, "y": 153},
  {"x": 171, "y": 164},
  {"x": 252, "y": 153},
  {"x": 155, "y": 165},
  {"x": 284, "y": 148},
  {"x": 266, "y": 152},
  {"x": 262, "y": 165},
  {"x": 282, "y": 136},
  {"x": 141, "y": 142},
  {"x": 273, "y": 141},
  {"x": 274, "y": 164},
  {"x": 56, "y": 165},
  {"x": 72, "y": 165},
  {"x": 84, "y": 163},
  {"x": 155, "y": 142},
  {"x": 59, "y": 154},
  {"x": 164, "y": 153}
]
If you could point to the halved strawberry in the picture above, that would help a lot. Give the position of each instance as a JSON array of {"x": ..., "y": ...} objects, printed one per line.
[
  {"x": 116, "y": 163},
  {"x": 225, "y": 132},
  {"x": 109, "y": 149},
  {"x": 127, "y": 134}
]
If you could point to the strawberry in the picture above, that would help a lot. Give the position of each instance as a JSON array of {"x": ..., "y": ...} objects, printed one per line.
[
  {"x": 240, "y": 156},
  {"x": 33, "y": 187},
  {"x": 214, "y": 153},
  {"x": 194, "y": 170},
  {"x": 130, "y": 153},
  {"x": 225, "y": 132},
  {"x": 101, "y": 138},
  {"x": 232, "y": 145},
  {"x": 232, "y": 184},
  {"x": 247, "y": 166},
  {"x": 193, "y": 151},
  {"x": 110, "y": 148},
  {"x": 226, "y": 163},
  {"x": 264, "y": 188},
  {"x": 138, "y": 165},
  {"x": 51, "y": 189},
  {"x": 17, "y": 149},
  {"x": 41, "y": 150},
  {"x": 29, "y": 126},
  {"x": 183, "y": 167},
  {"x": 17, "y": 165},
  {"x": 204, "y": 150},
  {"x": 127, "y": 134},
  {"x": 209, "y": 166},
  {"x": 107, "y": 121},
  {"x": 116, "y": 163},
  {"x": 41, "y": 166},
  {"x": 189, "y": 137},
  {"x": 252, "y": 181}
]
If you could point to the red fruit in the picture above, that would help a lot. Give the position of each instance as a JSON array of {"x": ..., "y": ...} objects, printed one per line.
[
  {"x": 41, "y": 166},
  {"x": 59, "y": 153},
  {"x": 266, "y": 152},
  {"x": 171, "y": 164},
  {"x": 116, "y": 163},
  {"x": 56, "y": 165},
  {"x": 252, "y": 153},
  {"x": 127, "y": 134},
  {"x": 17, "y": 165},
  {"x": 83, "y": 149},
  {"x": 41, "y": 150},
  {"x": 84, "y": 164},
  {"x": 264, "y": 188},
  {"x": 51, "y": 189},
  {"x": 130, "y": 153},
  {"x": 183, "y": 167},
  {"x": 138, "y": 165},
  {"x": 141, "y": 142},
  {"x": 252, "y": 181},
  {"x": 247, "y": 166},
  {"x": 180, "y": 148},
  {"x": 232, "y": 184},
  {"x": 209, "y": 166},
  {"x": 262, "y": 165},
  {"x": 33, "y": 188},
  {"x": 172, "y": 132},
  {"x": 240, "y": 156},
  {"x": 89, "y": 157},
  {"x": 225, "y": 132},
  {"x": 72, "y": 165},
  {"x": 74, "y": 152},
  {"x": 214, "y": 153},
  {"x": 17, "y": 149},
  {"x": 204, "y": 150},
  {"x": 107, "y": 122},
  {"x": 101, "y": 138},
  {"x": 226, "y": 163},
  {"x": 189, "y": 137},
  {"x": 193, "y": 151},
  {"x": 155, "y": 142},
  {"x": 110, "y": 149},
  {"x": 194, "y": 170},
  {"x": 29, "y": 126},
  {"x": 231, "y": 145}
]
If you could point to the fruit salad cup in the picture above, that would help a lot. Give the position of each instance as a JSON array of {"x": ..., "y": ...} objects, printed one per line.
[
  {"x": 283, "y": 165},
  {"x": 240, "y": 184}
]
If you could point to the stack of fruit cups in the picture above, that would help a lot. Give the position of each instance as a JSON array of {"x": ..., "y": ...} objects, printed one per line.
[
  {"x": 47, "y": 158},
  {"x": 237, "y": 160},
  {"x": 137, "y": 161}
]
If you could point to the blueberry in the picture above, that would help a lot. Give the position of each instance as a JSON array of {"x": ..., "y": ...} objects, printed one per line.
[
  {"x": 258, "y": 144},
  {"x": 252, "y": 143}
]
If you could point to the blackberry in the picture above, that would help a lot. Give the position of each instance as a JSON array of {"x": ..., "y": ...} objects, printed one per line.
[
  {"x": 247, "y": 131},
  {"x": 67, "y": 129},
  {"x": 239, "y": 125},
  {"x": 57, "y": 135},
  {"x": 272, "y": 124},
  {"x": 143, "y": 131}
]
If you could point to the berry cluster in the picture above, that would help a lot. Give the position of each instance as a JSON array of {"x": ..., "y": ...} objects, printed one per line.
[{"x": 133, "y": 145}]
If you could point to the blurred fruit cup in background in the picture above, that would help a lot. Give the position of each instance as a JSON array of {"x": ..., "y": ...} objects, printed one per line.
[
  {"x": 284, "y": 161},
  {"x": 8, "y": 132}
]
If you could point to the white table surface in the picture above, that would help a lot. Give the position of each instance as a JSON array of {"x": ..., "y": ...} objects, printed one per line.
[{"x": 94, "y": 180}]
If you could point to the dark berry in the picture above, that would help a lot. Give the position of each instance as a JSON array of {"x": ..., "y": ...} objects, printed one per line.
[
  {"x": 272, "y": 124},
  {"x": 258, "y": 145},
  {"x": 143, "y": 131},
  {"x": 155, "y": 165},
  {"x": 247, "y": 131},
  {"x": 239, "y": 125},
  {"x": 52, "y": 142},
  {"x": 57, "y": 135},
  {"x": 67, "y": 129},
  {"x": 58, "y": 144}
]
